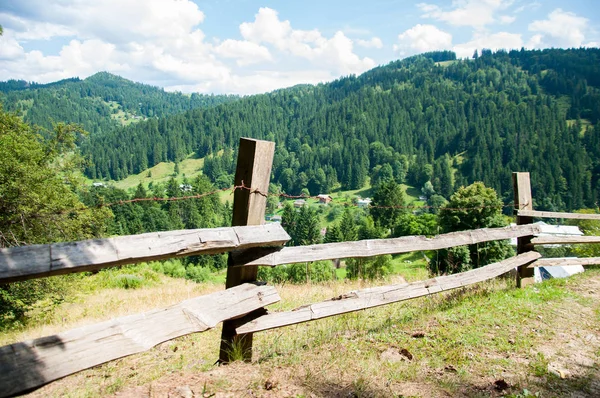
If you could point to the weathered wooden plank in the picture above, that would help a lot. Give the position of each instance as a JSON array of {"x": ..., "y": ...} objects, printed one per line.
[
  {"x": 376, "y": 247},
  {"x": 31, "y": 364},
  {"x": 564, "y": 240},
  {"x": 553, "y": 262},
  {"x": 373, "y": 297},
  {"x": 253, "y": 170},
  {"x": 27, "y": 262},
  {"x": 523, "y": 202},
  {"x": 552, "y": 214}
]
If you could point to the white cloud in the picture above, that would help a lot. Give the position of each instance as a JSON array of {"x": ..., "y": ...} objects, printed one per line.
[
  {"x": 495, "y": 41},
  {"x": 506, "y": 19},
  {"x": 474, "y": 13},
  {"x": 258, "y": 81},
  {"x": 160, "y": 42},
  {"x": 245, "y": 52},
  {"x": 375, "y": 42},
  {"x": 422, "y": 38},
  {"x": 10, "y": 48},
  {"x": 561, "y": 29},
  {"x": 529, "y": 6},
  {"x": 33, "y": 30},
  {"x": 335, "y": 52}
]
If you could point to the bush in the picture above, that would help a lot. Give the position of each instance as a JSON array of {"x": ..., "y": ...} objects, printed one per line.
[
  {"x": 273, "y": 274},
  {"x": 319, "y": 271},
  {"x": 127, "y": 281},
  {"x": 17, "y": 298},
  {"x": 174, "y": 269},
  {"x": 369, "y": 268},
  {"x": 198, "y": 274}
]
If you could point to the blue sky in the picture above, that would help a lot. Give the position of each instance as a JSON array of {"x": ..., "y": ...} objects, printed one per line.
[{"x": 249, "y": 46}]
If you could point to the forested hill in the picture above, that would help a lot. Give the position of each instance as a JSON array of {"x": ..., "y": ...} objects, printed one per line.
[
  {"x": 101, "y": 102},
  {"x": 451, "y": 122}
]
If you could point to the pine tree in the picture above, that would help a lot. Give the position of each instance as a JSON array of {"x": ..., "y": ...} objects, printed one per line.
[{"x": 387, "y": 205}]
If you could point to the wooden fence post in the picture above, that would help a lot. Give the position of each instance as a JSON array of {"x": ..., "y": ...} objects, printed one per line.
[
  {"x": 254, "y": 163},
  {"x": 523, "y": 201}
]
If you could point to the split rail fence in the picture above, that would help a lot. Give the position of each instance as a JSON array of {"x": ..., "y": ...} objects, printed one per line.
[{"x": 27, "y": 365}]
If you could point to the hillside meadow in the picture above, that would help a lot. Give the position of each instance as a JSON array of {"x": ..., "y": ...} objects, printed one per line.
[{"x": 486, "y": 340}]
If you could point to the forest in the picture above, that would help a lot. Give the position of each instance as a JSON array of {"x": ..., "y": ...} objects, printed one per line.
[
  {"x": 429, "y": 117},
  {"x": 88, "y": 101}
]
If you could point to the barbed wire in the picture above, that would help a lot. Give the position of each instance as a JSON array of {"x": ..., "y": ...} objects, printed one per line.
[{"x": 251, "y": 190}]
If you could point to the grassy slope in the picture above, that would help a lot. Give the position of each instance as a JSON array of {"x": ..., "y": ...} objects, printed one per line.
[
  {"x": 471, "y": 338},
  {"x": 191, "y": 167}
]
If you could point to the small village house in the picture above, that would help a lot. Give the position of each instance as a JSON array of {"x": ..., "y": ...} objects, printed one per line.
[
  {"x": 363, "y": 203},
  {"x": 299, "y": 203},
  {"x": 324, "y": 199}
]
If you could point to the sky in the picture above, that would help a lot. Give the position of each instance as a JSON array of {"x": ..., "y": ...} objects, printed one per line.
[{"x": 254, "y": 46}]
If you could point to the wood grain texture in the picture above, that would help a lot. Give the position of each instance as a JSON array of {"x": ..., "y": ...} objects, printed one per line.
[
  {"x": 523, "y": 202},
  {"x": 377, "y": 247},
  {"x": 564, "y": 240},
  {"x": 373, "y": 297},
  {"x": 27, "y": 262},
  {"x": 31, "y": 364},
  {"x": 552, "y": 214},
  {"x": 561, "y": 261},
  {"x": 253, "y": 170}
]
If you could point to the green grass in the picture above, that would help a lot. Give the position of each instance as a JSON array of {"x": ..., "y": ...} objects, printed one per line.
[
  {"x": 470, "y": 337},
  {"x": 446, "y": 63},
  {"x": 118, "y": 114},
  {"x": 411, "y": 266},
  {"x": 585, "y": 123},
  {"x": 162, "y": 172}
]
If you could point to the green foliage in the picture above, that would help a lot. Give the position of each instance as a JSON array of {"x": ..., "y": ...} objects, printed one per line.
[
  {"x": 37, "y": 206},
  {"x": 19, "y": 298},
  {"x": 198, "y": 273},
  {"x": 388, "y": 196},
  {"x": 436, "y": 202},
  {"x": 173, "y": 268},
  {"x": 472, "y": 207},
  {"x": 450, "y": 125},
  {"x": 318, "y": 271},
  {"x": 38, "y": 203},
  {"x": 422, "y": 224},
  {"x": 368, "y": 268},
  {"x": 302, "y": 225},
  {"x": 126, "y": 281},
  {"x": 94, "y": 101},
  {"x": 347, "y": 227}
]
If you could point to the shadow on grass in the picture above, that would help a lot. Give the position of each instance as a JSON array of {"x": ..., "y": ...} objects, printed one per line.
[{"x": 324, "y": 386}]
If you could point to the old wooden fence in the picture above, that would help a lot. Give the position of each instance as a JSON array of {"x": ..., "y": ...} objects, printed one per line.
[{"x": 241, "y": 306}]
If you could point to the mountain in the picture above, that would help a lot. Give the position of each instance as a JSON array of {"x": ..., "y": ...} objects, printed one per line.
[
  {"x": 450, "y": 122},
  {"x": 100, "y": 102}
]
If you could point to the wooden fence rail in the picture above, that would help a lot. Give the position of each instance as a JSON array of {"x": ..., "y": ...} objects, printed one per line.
[
  {"x": 377, "y": 296},
  {"x": 36, "y": 261},
  {"x": 562, "y": 261},
  {"x": 31, "y": 364},
  {"x": 552, "y": 214},
  {"x": 564, "y": 240},
  {"x": 377, "y": 247}
]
